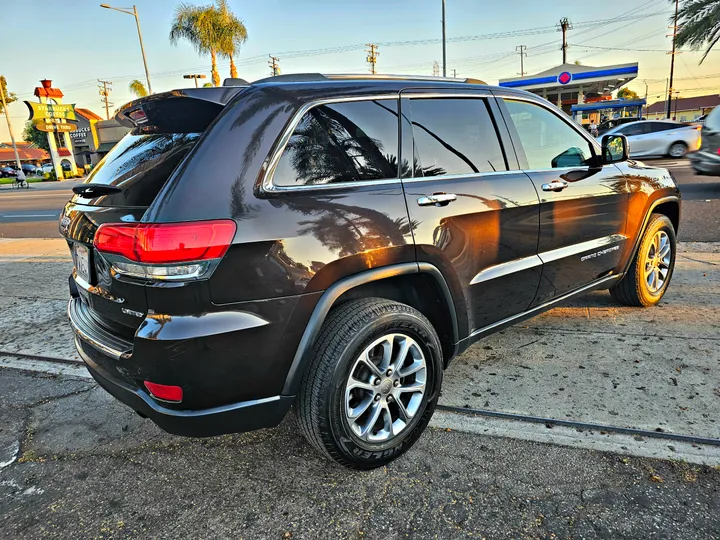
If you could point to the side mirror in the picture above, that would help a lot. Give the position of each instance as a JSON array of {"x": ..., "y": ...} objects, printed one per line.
[{"x": 615, "y": 148}]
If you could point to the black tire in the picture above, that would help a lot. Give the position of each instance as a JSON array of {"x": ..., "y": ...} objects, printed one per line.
[
  {"x": 679, "y": 145},
  {"x": 633, "y": 289},
  {"x": 348, "y": 330}
]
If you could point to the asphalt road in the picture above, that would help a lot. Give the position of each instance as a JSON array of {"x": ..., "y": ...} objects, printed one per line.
[{"x": 33, "y": 213}]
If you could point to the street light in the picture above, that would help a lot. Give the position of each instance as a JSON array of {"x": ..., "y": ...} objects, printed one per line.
[
  {"x": 142, "y": 48},
  {"x": 196, "y": 77}
]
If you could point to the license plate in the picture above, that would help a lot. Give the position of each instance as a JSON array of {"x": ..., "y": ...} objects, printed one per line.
[{"x": 81, "y": 255}]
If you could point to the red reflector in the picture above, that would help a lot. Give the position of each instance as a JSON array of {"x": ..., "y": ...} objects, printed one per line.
[
  {"x": 166, "y": 242},
  {"x": 165, "y": 392}
]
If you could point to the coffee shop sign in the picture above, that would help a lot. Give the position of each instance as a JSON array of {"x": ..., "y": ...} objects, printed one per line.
[{"x": 80, "y": 133}]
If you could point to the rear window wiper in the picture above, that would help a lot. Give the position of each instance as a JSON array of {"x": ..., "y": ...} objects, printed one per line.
[{"x": 95, "y": 190}]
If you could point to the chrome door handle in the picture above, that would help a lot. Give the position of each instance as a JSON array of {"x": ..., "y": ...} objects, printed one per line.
[
  {"x": 555, "y": 185},
  {"x": 436, "y": 199}
]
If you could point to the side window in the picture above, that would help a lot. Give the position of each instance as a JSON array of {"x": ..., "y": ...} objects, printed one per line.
[
  {"x": 636, "y": 129},
  {"x": 454, "y": 136},
  {"x": 548, "y": 141},
  {"x": 342, "y": 142}
]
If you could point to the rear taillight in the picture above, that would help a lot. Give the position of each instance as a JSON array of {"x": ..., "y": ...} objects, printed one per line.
[{"x": 164, "y": 250}]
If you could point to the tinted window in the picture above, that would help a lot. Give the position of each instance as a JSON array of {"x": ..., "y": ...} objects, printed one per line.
[
  {"x": 140, "y": 165},
  {"x": 634, "y": 129},
  {"x": 343, "y": 142},
  {"x": 548, "y": 141},
  {"x": 455, "y": 136}
]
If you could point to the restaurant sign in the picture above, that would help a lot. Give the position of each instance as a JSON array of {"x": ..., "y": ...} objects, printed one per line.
[{"x": 40, "y": 111}]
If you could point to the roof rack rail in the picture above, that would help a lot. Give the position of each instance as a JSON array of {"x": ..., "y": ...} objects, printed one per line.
[{"x": 313, "y": 77}]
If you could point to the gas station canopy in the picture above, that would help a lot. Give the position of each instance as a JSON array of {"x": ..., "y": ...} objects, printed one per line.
[{"x": 572, "y": 84}]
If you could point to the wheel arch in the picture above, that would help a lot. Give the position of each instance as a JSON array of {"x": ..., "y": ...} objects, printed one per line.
[
  {"x": 398, "y": 282},
  {"x": 668, "y": 206}
]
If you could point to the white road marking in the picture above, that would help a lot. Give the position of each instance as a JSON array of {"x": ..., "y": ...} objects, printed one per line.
[
  {"x": 592, "y": 440},
  {"x": 28, "y": 215}
]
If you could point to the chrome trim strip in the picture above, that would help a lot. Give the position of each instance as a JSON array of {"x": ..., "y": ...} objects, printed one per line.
[
  {"x": 92, "y": 289},
  {"x": 509, "y": 267},
  {"x": 543, "y": 307},
  {"x": 267, "y": 183},
  {"x": 459, "y": 176},
  {"x": 455, "y": 93},
  {"x": 576, "y": 249},
  {"x": 113, "y": 353}
]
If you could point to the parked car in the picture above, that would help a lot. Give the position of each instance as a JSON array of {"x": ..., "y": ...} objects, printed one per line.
[
  {"x": 29, "y": 169},
  {"x": 660, "y": 138},
  {"x": 607, "y": 125},
  {"x": 8, "y": 172},
  {"x": 707, "y": 160},
  {"x": 247, "y": 248}
]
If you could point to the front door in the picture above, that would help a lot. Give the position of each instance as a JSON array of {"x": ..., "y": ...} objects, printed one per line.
[
  {"x": 583, "y": 204},
  {"x": 474, "y": 214}
]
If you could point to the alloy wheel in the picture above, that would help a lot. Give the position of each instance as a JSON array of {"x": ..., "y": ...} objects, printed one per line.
[
  {"x": 657, "y": 262},
  {"x": 385, "y": 388}
]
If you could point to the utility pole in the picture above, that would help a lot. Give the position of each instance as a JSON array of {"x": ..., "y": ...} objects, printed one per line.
[
  {"x": 436, "y": 69},
  {"x": 104, "y": 91},
  {"x": 195, "y": 77},
  {"x": 563, "y": 26},
  {"x": 372, "y": 56},
  {"x": 444, "y": 37},
  {"x": 520, "y": 49},
  {"x": 454, "y": 74},
  {"x": 9, "y": 124},
  {"x": 274, "y": 64},
  {"x": 677, "y": 94},
  {"x": 672, "y": 58}
]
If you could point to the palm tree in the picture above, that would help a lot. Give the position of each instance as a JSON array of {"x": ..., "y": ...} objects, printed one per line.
[
  {"x": 699, "y": 22},
  {"x": 233, "y": 32},
  {"x": 137, "y": 88},
  {"x": 198, "y": 25},
  {"x": 212, "y": 30}
]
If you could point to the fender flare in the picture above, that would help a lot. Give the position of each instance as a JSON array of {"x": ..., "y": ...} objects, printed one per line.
[
  {"x": 330, "y": 296},
  {"x": 648, "y": 213}
]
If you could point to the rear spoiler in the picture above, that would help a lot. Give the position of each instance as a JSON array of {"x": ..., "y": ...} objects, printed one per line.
[{"x": 178, "y": 111}]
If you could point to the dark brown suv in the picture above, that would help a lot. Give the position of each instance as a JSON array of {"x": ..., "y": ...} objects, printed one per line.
[{"x": 333, "y": 242}]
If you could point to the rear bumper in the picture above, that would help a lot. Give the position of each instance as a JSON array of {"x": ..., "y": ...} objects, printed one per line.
[
  {"x": 233, "y": 418},
  {"x": 705, "y": 163},
  {"x": 120, "y": 367}
]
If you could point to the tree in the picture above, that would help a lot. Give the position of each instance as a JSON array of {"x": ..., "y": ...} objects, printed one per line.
[
  {"x": 9, "y": 96},
  {"x": 233, "y": 33},
  {"x": 208, "y": 85},
  {"x": 34, "y": 136},
  {"x": 699, "y": 25},
  {"x": 626, "y": 93},
  {"x": 212, "y": 30},
  {"x": 137, "y": 88}
]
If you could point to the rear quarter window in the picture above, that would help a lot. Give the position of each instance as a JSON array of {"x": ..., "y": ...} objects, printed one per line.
[
  {"x": 139, "y": 165},
  {"x": 342, "y": 142}
]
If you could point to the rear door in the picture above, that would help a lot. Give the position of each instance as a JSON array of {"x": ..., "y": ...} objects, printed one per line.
[
  {"x": 474, "y": 214},
  {"x": 583, "y": 204},
  {"x": 636, "y": 134}
]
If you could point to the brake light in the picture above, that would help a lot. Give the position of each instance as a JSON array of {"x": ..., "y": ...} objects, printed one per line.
[
  {"x": 164, "y": 392},
  {"x": 164, "y": 243}
]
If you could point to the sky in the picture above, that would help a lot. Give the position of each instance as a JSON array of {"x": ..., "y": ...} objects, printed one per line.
[{"x": 76, "y": 42}]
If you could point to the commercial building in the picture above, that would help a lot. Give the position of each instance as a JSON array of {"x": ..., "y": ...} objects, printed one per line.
[
  {"x": 84, "y": 138},
  {"x": 26, "y": 151},
  {"x": 684, "y": 109}
]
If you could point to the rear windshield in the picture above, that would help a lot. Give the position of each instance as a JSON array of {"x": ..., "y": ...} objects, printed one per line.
[{"x": 139, "y": 165}]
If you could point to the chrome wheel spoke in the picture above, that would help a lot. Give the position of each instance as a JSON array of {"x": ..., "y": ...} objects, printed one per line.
[
  {"x": 412, "y": 387},
  {"x": 402, "y": 354},
  {"x": 416, "y": 366},
  {"x": 354, "y": 383},
  {"x": 355, "y": 412},
  {"x": 375, "y": 413},
  {"x": 404, "y": 414},
  {"x": 371, "y": 365}
]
